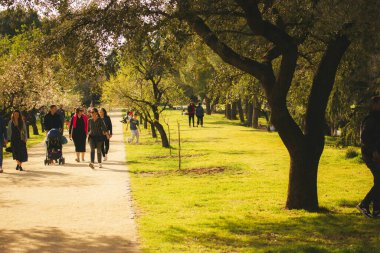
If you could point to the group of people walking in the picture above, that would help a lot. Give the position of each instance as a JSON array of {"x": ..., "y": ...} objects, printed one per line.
[
  {"x": 94, "y": 126},
  {"x": 197, "y": 111}
]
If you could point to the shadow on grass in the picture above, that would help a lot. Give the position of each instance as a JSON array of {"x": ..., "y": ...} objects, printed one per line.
[
  {"x": 56, "y": 240},
  {"x": 315, "y": 233}
]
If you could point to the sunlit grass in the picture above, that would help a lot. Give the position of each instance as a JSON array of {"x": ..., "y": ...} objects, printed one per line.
[{"x": 241, "y": 208}]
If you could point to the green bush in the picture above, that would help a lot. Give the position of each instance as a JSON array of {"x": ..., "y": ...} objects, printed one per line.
[{"x": 351, "y": 153}]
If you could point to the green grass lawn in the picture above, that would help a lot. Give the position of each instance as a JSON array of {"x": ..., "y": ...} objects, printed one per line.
[{"x": 231, "y": 192}]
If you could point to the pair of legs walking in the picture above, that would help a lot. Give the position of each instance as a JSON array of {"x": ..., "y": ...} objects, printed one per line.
[
  {"x": 96, "y": 143},
  {"x": 191, "y": 119},
  {"x": 373, "y": 196},
  {"x": 200, "y": 120},
  {"x": 105, "y": 148}
]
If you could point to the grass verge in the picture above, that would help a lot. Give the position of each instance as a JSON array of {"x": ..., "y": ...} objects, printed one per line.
[{"x": 230, "y": 194}]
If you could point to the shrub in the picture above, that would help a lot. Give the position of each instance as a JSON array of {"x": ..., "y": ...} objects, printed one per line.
[{"x": 351, "y": 153}]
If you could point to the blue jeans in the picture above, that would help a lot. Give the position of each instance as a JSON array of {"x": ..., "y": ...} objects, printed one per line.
[{"x": 1, "y": 154}]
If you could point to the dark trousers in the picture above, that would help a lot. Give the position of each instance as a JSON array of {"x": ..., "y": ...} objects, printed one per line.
[
  {"x": 199, "y": 120},
  {"x": 374, "y": 194},
  {"x": 191, "y": 118},
  {"x": 96, "y": 143},
  {"x": 105, "y": 147}
]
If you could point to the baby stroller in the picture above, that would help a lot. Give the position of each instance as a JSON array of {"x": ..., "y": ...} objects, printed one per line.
[{"x": 54, "y": 147}]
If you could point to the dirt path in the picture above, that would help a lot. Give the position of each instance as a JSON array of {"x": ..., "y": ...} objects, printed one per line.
[{"x": 68, "y": 208}]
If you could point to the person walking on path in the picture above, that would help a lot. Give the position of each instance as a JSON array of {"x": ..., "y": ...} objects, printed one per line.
[
  {"x": 96, "y": 131},
  {"x": 370, "y": 136},
  {"x": 17, "y": 135},
  {"x": 42, "y": 118},
  {"x": 3, "y": 141},
  {"x": 200, "y": 113},
  {"x": 191, "y": 113},
  {"x": 134, "y": 125},
  {"x": 78, "y": 131},
  {"x": 53, "y": 120},
  {"x": 106, "y": 144},
  {"x": 62, "y": 115}
]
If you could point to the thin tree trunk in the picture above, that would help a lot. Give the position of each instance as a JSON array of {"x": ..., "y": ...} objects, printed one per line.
[
  {"x": 163, "y": 135},
  {"x": 153, "y": 129},
  {"x": 250, "y": 114},
  {"x": 228, "y": 111},
  {"x": 256, "y": 112},
  {"x": 240, "y": 110},
  {"x": 234, "y": 111},
  {"x": 145, "y": 122}
]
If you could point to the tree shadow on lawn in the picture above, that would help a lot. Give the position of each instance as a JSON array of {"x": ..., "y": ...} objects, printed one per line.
[
  {"x": 55, "y": 240},
  {"x": 320, "y": 233}
]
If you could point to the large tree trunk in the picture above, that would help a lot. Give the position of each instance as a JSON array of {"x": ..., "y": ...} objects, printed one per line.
[
  {"x": 208, "y": 105},
  {"x": 228, "y": 111},
  {"x": 163, "y": 135},
  {"x": 234, "y": 111},
  {"x": 302, "y": 188},
  {"x": 240, "y": 110}
]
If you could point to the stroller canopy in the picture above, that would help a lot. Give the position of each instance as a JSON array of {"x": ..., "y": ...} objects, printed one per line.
[{"x": 54, "y": 133}]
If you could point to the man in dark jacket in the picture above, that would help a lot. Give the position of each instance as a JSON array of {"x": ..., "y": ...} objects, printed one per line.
[
  {"x": 200, "y": 113},
  {"x": 191, "y": 113},
  {"x": 53, "y": 120},
  {"x": 3, "y": 141},
  {"x": 370, "y": 137}
]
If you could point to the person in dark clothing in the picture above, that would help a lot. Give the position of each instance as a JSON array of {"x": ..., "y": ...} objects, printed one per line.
[
  {"x": 370, "y": 137},
  {"x": 200, "y": 113},
  {"x": 96, "y": 131},
  {"x": 3, "y": 141},
  {"x": 31, "y": 119},
  {"x": 42, "y": 118},
  {"x": 62, "y": 115},
  {"x": 191, "y": 113},
  {"x": 107, "y": 137},
  {"x": 78, "y": 132},
  {"x": 53, "y": 120},
  {"x": 17, "y": 134}
]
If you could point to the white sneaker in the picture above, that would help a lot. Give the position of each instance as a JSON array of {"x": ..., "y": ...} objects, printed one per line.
[
  {"x": 100, "y": 165},
  {"x": 105, "y": 158}
]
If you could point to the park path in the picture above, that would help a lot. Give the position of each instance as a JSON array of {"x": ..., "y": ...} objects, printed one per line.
[{"x": 68, "y": 208}]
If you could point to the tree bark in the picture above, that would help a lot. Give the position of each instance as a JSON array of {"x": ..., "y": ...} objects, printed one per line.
[
  {"x": 240, "y": 110},
  {"x": 153, "y": 129},
  {"x": 302, "y": 188},
  {"x": 250, "y": 114},
  {"x": 228, "y": 111},
  {"x": 208, "y": 105},
  {"x": 234, "y": 111},
  {"x": 163, "y": 135},
  {"x": 256, "y": 113}
]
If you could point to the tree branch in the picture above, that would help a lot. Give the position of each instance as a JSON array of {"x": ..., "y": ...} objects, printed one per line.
[{"x": 323, "y": 83}]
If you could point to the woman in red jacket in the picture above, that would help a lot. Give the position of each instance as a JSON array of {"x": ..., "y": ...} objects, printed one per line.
[{"x": 78, "y": 132}]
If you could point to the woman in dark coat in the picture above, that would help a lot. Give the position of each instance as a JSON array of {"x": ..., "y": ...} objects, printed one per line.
[
  {"x": 17, "y": 133},
  {"x": 107, "y": 137},
  {"x": 78, "y": 132}
]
